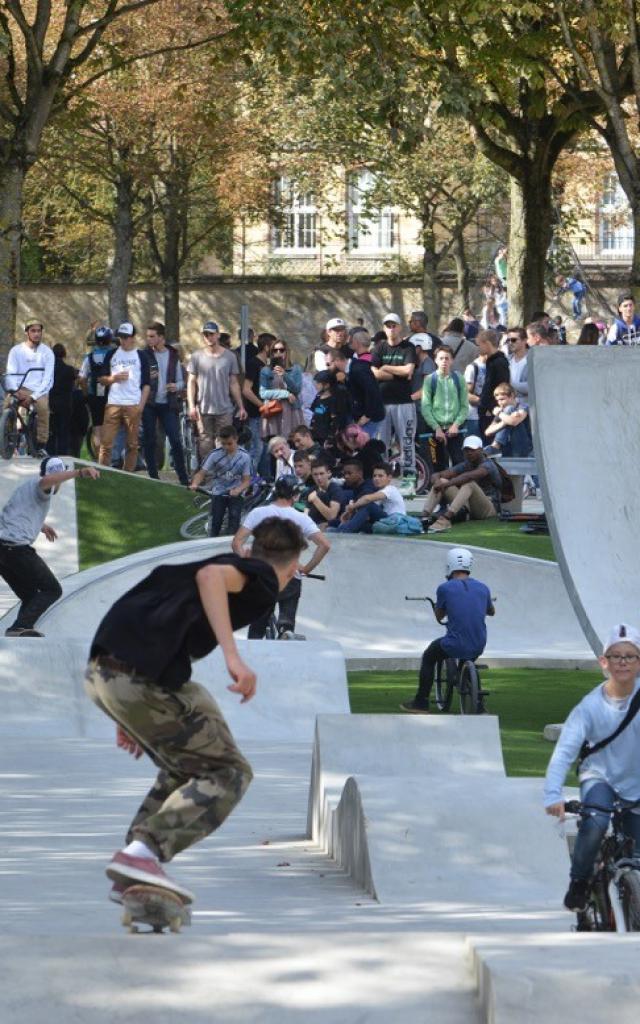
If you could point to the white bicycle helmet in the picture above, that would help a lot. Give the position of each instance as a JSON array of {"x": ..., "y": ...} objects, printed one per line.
[{"x": 459, "y": 560}]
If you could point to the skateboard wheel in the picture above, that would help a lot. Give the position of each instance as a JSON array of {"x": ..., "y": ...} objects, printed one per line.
[
  {"x": 127, "y": 918},
  {"x": 175, "y": 924}
]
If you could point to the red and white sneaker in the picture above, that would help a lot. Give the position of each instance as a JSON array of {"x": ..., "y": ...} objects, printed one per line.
[
  {"x": 126, "y": 869},
  {"x": 117, "y": 891}
]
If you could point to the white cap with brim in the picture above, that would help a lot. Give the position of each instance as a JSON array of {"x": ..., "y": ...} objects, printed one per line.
[
  {"x": 622, "y": 634},
  {"x": 126, "y": 329},
  {"x": 392, "y": 318},
  {"x": 423, "y": 341},
  {"x": 52, "y": 465},
  {"x": 472, "y": 442},
  {"x": 334, "y": 323}
]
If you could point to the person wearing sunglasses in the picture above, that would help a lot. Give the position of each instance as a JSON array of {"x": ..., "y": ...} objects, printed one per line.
[
  {"x": 281, "y": 381},
  {"x": 516, "y": 352}
]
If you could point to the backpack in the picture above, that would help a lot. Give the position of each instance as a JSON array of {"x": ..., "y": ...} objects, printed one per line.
[
  {"x": 507, "y": 490},
  {"x": 433, "y": 383}
]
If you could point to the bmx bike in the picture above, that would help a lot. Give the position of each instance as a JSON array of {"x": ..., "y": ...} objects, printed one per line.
[
  {"x": 459, "y": 674},
  {"x": 283, "y": 631},
  {"x": 18, "y": 424},
  {"x": 197, "y": 526},
  {"x": 613, "y": 902}
]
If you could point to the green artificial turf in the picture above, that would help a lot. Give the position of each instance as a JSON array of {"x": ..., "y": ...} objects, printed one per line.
[
  {"x": 525, "y": 700},
  {"x": 121, "y": 513},
  {"x": 491, "y": 533}
]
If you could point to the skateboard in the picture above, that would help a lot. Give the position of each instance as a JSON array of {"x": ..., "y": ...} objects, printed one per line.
[{"x": 156, "y": 907}]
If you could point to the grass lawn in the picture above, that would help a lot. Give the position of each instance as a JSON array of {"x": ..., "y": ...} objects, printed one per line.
[
  {"x": 491, "y": 533},
  {"x": 525, "y": 700},
  {"x": 119, "y": 514}
]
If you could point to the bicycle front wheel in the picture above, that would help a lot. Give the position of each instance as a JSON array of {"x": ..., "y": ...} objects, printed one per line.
[
  {"x": 469, "y": 690},
  {"x": 446, "y": 675},
  {"x": 196, "y": 527},
  {"x": 630, "y": 893},
  {"x": 8, "y": 433}
]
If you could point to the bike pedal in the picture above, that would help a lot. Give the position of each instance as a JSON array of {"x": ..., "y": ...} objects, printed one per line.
[{"x": 484, "y": 693}]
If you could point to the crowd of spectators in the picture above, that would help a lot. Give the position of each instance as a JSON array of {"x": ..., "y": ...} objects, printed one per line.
[{"x": 343, "y": 421}]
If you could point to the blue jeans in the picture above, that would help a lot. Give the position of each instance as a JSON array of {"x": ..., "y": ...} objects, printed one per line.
[
  {"x": 362, "y": 519},
  {"x": 593, "y": 828},
  {"x": 372, "y": 427},
  {"x": 514, "y": 441},
  {"x": 169, "y": 419},
  {"x": 260, "y": 458}
]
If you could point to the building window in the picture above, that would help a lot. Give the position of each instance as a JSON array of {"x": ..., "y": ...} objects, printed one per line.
[
  {"x": 296, "y": 229},
  {"x": 371, "y": 228},
  {"x": 616, "y": 227}
]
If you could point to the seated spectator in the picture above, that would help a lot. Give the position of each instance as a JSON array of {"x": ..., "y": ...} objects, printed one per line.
[
  {"x": 280, "y": 450},
  {"x": 625, "y": 329},
  {"x": 445, "y": 408},
  {"x": 302, "y": 440},
  {"x": 331, "y": 407},
  {"x": 327, "y": 500},
  {"x": 589, "y": 335},
  {"x": 355, "y": 442},
  {"x": 355, "y": 487},
  {"x": 463, "y": 351},
  {"x": 474, "y": 484},
  {"x": 302, "y": 468},
  {"x": 365, "y": 407},
  {"x": 510, "y": 431},
  {"x": 385, "y": 500},
  {"x": 230, "y": 467}
]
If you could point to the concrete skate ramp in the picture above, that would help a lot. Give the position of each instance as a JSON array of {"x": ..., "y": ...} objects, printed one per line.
[
  {"x": 586, "y": 437},
  {"x": 362, "y": 602},
  {"x": 42, "y": 693}
]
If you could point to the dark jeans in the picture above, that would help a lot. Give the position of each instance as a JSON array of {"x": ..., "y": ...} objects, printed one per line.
[
  {"x": 169, "y": 420},
  {"x": 59, "y": 428},
  {"x": 448, "y": 453},
  {"x": 287, "y": 608},
  {"x": 592, "y": 829},
  {"x": 31, "y": 580},
  {"x": 220, "y": 503},
  {"x": 430, "y": 658},
  {"x": 363, "y": 519}
]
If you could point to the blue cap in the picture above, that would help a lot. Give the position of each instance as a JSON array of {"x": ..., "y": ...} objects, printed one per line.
[
  {"x": 103, "y": 334},
  {"x": 210, "y": 327}
]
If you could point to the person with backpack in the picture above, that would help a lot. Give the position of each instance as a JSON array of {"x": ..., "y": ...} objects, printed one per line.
[
  {"x": 474, "y": 486},
  {"x": 90, "y": 373},
  {"x": 126, "y": 372},
  {"x": 463, "y": 349},
  {"x": 603, "y": 733},
  {"x": 464, "y": 603},
  {"x": 445, "y": 407}
]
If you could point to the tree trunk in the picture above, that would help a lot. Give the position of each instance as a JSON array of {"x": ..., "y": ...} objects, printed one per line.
[
  {"x": 463, "y": 273},
  {"x": 431, "y": 296},
  {"x": 529, "y": 241},
  {"x": 170, "y": 268},
  {"x": 11, "y": 188},
  {"x": 120, "y": 272}
]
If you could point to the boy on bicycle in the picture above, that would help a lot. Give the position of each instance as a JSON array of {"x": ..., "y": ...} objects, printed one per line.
[
  {"x": 612, "y": 772},
  {"x": 465, "y": 603}
]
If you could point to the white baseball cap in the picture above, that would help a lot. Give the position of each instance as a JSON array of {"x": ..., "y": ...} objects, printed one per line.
[
  {"x": 336, "y": 321},
  {"x": 392, "y": 318},
  {"x": 52, "y": 465},
  {"x": 423, "y": 341},
  {"x": 622, "y": 634},
  {"x": 473, "y": 442},
  {"x": 126, "y": 329}
]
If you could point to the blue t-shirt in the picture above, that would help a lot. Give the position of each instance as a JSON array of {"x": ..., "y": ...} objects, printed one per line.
[{"x": 466, "y": 602}]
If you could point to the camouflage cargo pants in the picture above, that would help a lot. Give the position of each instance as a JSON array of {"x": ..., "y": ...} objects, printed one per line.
[{"x": 202, "y": 773}]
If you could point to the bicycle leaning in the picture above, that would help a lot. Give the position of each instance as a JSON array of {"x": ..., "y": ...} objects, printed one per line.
[
  {"x": 199, "y": 525},
  {"x": 459, "y": 674},
  {"x": 284, "y": 630},
  {"x": 18, "y": 423},
  {"x": 613, "y": 898}
]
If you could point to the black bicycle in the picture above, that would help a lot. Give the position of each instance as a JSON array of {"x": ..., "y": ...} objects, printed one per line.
[
  {"x": 459, "y": 674},
  {"x": 613, "y": 902},
  {"x": 259, "y": 492},
  {"x": 276, "y": 632},
  {"x": 18, "y": 423}
]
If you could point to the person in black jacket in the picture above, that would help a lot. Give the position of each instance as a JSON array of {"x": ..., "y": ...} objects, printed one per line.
[
  {"x": 367, "y": 406},
  {"x": 167, "y": 389},
  {"x": 61, "y": 403},
  {"x": 497, "y": 373},
  {"x": 139, "y": 674}
]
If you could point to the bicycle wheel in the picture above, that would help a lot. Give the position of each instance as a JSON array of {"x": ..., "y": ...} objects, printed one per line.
[
  {"x": 630, "y": 893},
  {"x": 423, "y": 472},
  {"x": 446, "y": 676},
  {"x": 469, "y": 690},
  {"x": 8, "y": 433},
  {"x": 196, "y": 527}
]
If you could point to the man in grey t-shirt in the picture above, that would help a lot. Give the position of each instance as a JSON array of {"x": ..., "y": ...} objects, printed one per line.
[
  {"x": 21, "y": 520},
  {"x": 213, "y": 388}
]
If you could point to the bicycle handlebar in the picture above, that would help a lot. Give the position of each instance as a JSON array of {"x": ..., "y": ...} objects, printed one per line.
[
  {"x": 32, "y": 369},
  {"x": 578, "y": 807}
]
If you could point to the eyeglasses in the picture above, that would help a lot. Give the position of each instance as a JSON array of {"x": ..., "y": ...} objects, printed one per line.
[
  {"x": 512, "y": 341},
  {"x": 622, "y": 659},
  {"x": 278, "y": 350}
]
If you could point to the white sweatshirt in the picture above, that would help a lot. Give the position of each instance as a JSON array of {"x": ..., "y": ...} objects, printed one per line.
[
  {"x": 22, "y": 358},
  {"x": 593, "y": 719}
]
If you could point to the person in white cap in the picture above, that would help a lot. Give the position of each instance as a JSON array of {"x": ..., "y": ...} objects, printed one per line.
[
  {"x": 393, "y": 363},
  {"x": 336, "y": 332},
  {"x": 127, "y": 374},
  {"x": 474, "y": 484},
  {"x": 21, "y": 520},
  {"x": 606, "y": 774},
  {"x": 30, "y": 367},
  {"x": 464, "y": 603}
]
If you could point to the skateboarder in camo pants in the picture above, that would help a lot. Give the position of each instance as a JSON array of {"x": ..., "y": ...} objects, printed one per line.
[{"x": 139, "y": 674}]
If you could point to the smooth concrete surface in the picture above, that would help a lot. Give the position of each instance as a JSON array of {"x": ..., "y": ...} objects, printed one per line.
[
  {"x": 62, "y": 555},
  {"x": 588, "y": 978},
  {"x": 586, "y": 436},
  {"x": 362, "y": 605},
  {"x": 42, "y": 693}
]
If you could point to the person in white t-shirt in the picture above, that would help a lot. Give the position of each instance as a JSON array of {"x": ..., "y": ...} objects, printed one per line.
[
  {"x": 36, "y": 359},
  {"x": 386, "y": 500},
  {"x": 285, "y": 490},
  {"x": 126, "y": 374}
]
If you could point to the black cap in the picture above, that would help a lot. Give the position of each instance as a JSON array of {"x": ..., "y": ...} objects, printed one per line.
[
  {"x": 286, "y": 486},
  {"x": 323, "y": 377}
]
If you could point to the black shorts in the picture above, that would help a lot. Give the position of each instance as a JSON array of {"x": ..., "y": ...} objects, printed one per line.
[{"x": 97, "y": 405}]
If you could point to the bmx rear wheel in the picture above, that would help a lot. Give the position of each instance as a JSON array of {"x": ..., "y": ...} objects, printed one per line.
[
  {"x": 470, "y": 700},
  {"x": 446, "y": 674}
]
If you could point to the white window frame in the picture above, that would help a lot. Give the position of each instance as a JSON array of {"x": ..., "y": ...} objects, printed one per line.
[
  {"x": 299, "y": 220},
  {"x": 615, "y": 235},
  {"x": 375, "y": 231}
]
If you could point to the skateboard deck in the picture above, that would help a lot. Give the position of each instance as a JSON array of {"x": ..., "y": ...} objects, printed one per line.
[{"x": 153, "y": 906}]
